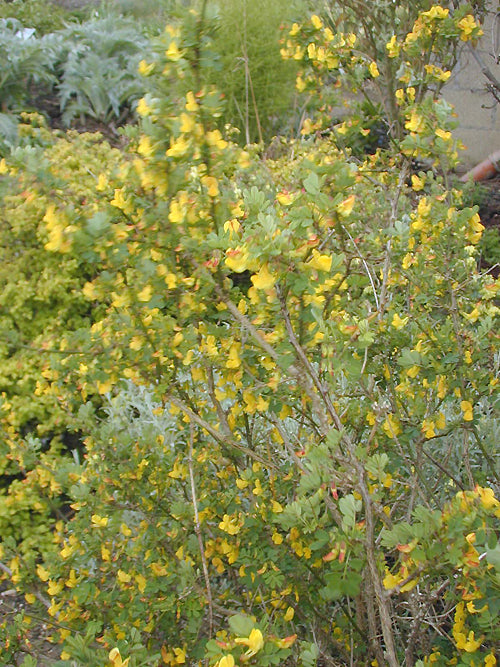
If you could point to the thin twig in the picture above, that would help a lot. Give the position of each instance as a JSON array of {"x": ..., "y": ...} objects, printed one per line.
[
  {"x": 219, "y": 437},
  {"x": 197, "y": 530}
]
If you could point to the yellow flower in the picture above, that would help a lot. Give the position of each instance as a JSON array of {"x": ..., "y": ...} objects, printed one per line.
[
  {"x": 391, "y": 426},
  {"x": 187, "y": 122},
  {"x": 320, "y": 262},
  {"x": 263, "y": 280},
  {"x": 232, "y": 226},
  {"x": 345, "y": 207},
  {"x": 436, "y": 12},
  {"x": 191, "y": 103},
  {"x": 214, "y": 138},
  {"x": 54, "y": 587},
  {"x": 121, "y": 201},
  {"x": 102, "y": 183},
  {"x": 233, "y": 358},
  {"x": 289, "y": 614},
  {"x": 276, "y": 507},
  {"x": 473, "y": 315},
  {"x": 99, "y": 521},
  {"x": 374, "y": 70},
  {"x": 116, "y": 659},
  {"x": 226, "y": 661},
  {"x": 399, "y": 322},
  {"x": 415, "y": 123},
  {"x": 124, "y": 577},
  {"x": 104, "y": 388},
  {"x": 428, "y": 428},
  {"x": 438, "y": 73},
  {"x": 487, "y": 497},
  {"x": 307, "y": 126},
  {"x": 468, "y": 410},
  {"x": 244, "y": 160},
  {"x": 257, "y": 490},
  {"x": 237, "y": 259},
  {"x": 440, "y": 421},
  {"x": 143, "y": 109},
  {"x": 230, "y": 525},
  {"x": 390, "y": 580},
  {"x": 470, "y": 645},
  {"x": 442, "y": 134},
  {"x": 145, "y": 294},
  {"x": 300, "y": 84},
  {"x": 311, "y": 50},
  {"x": 317, "y": 22},
  {"x": 180, "y": 656},
  {"x": 125, "y": 530},
  {"x": 178, "y": 147},
  {"x": 400, "y": 95},
  {"x": 173, "y": 52},
  {"x": 145, "y": 68},
  {"x": 210, "y": 182},
  {"x": 254, "y": 641},
  {"x": 177, "y": 211},
  {"x": 417, "y": 183},
  {"x": 467, "y": 26},
  {"x": 393, "y": 47},
  {"x": 475, "y": 229},
  {"x": 285, "y": 198}
]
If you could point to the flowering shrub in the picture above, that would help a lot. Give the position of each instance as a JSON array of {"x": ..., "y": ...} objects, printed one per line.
[{"x": 288, "y": 392}]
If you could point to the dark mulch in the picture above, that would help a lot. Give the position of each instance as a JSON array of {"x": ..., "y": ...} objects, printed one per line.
[
  {"x": 33, "y": 642},
  {"x": 489, "y": 210},
  {"x": 490, "y": 207}
]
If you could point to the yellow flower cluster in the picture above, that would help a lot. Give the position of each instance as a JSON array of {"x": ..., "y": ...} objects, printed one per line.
[{"x": 464, "y": 641}]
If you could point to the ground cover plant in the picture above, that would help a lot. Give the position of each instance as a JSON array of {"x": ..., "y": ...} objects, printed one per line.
[{"x": 281, "y": 369}]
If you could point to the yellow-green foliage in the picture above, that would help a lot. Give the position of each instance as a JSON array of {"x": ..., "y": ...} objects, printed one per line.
[
  {"x": 298, "y": 366},
  {"x": 46, "y": 190}
]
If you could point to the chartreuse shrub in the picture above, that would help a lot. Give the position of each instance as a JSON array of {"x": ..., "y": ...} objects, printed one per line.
[
  {"x": 49, "y": 182},
  {"x": 289, "y": 393}
]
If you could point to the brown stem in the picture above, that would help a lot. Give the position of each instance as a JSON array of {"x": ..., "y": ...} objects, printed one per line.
[
  {"x": 197, "y": 530},
  {"x": 219, "y": 437}
]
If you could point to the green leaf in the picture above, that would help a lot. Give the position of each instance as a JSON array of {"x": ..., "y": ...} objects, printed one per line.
[
  {"x": 351, "y": 585},
  {"x": 241, "y": 624},
  {"x": 309, "y": 655},
  {"x": 312, "y": 184},
  {"x": 98, "y": 224},
  {"x": 410, "y": 358},
  {"x": 333, "y": 589},
  {"x": 348, "y": 506},
  {"x": 376, "y": 465},
  {"x": 493, "y": 557}
]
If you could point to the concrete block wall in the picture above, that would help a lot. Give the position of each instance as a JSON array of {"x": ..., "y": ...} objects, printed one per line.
[{"x": 477, "y": 110}]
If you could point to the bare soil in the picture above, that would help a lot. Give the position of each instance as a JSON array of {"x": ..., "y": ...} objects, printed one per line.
[{"x": 489, "y": 210}]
